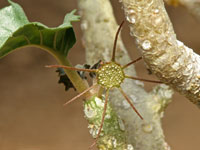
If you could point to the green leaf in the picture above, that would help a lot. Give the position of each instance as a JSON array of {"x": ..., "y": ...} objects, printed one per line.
[{"x": 16, "y": 32}]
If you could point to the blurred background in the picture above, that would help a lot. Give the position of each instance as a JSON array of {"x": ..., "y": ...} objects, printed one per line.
[{"x": 31, "y": 113}]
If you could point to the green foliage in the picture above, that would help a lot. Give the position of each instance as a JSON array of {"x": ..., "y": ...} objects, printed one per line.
[{"x": 16, "y": 32}]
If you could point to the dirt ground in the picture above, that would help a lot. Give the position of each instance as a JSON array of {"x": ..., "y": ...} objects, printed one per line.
[{"x": 31, "y": 113}]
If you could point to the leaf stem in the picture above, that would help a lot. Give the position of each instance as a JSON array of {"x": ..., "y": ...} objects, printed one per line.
[
  {"x": 80, "y": 84},
  {"x": 76, "y": 80}
]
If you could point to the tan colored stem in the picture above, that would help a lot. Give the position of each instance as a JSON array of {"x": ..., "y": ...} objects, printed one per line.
[{"x": 169, "y": 59}]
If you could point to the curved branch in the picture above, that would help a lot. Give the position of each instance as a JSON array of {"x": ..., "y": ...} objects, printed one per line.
[{"x": 169, "y": 59}]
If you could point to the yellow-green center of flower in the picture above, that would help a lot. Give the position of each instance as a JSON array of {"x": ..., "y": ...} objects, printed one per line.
[{"x": 110, "y": 75}]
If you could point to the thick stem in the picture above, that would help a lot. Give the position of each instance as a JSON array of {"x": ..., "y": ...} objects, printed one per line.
[
  {"x": 99, "y": 30},
  {"x": 169, "y": 59}
]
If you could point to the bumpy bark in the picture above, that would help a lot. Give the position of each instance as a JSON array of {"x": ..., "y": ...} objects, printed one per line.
[
  {"x": 169, "y": 59},
  {"x": 99, "y": 29}
]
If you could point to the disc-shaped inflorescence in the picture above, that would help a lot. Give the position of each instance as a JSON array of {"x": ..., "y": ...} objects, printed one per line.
[{"x": 110, "y": 75}]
